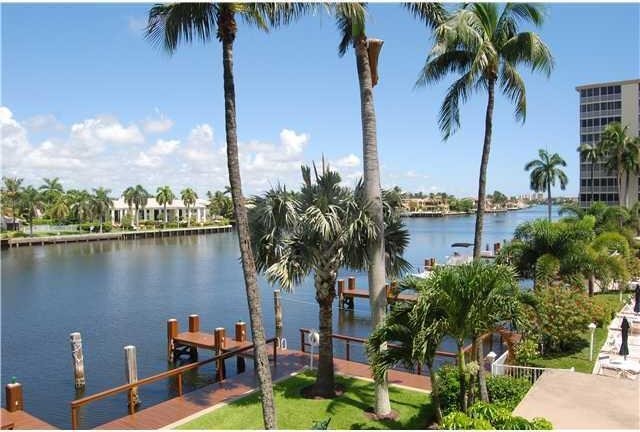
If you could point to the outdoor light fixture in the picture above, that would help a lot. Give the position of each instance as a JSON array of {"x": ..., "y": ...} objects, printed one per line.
[{"x": 592, "y": 328}]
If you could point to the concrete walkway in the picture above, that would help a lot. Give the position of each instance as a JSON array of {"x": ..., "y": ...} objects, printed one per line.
[{"x": 573, "y": 400}]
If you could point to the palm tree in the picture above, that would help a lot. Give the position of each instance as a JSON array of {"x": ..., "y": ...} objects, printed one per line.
[
  {"x": 170, "y": 24},
  {"x": 189, "y": 198},
  {"x": 220, "y": 204},
  {"x": 484, "y": 46},
  {"x": 30, "y": 204},
  {"x": 319, "y": 230},
  {"x": 11, "y": 192},
  {"x": 164, "y": 196},
  {"x": 129, "y": 196},
  {"x": 80, "y": 204},
  {"x": 141, "y": 197},
  {"x": 545, "y": 171},
  {"x": 591, "y": 153},
  {"x": 60, "y": 209},
  {"x": 101, "y": 203},
  {"x": 51, "y": 189},
  {"x": 620, "y": 154}
]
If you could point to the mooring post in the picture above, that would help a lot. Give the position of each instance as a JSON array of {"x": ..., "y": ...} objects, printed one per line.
[
  {"x": 219, "y": 342},
  {"x": 277, "y": 304},
  {"x": 13, "y": 396},
  {"x": 194, "y": 327},
  {"x": 131, "y": 369},
  {"x": 78, "y": 359},
  {"x": 341, "y": 293},
  {"x": 241, "y": 336},
  {"x": 172, "y": 332},
  {"x": 351, "y": 286},
  {"x": 427, "y": 264}
]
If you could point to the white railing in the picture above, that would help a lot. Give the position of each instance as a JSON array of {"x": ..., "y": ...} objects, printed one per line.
[{"x": 526, "y": 372}]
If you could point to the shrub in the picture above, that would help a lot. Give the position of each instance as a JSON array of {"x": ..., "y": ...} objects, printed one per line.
[
  {"x": 483, "y": 415},
  {"x": 525, "y": 351},
  {"x": 448, "y": 388},
  {"x": 507, "y": 392},
  {"x": 86, "y": 226},
  {"x": 171, "y": 225},
  {"x": 540, "y": 423}
]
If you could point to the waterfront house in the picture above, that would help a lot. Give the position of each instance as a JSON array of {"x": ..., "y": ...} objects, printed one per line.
[{"x": 176, "y": 211}]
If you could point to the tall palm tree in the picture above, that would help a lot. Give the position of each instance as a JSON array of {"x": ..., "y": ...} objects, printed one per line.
[
  {"x": 129, "y": 196},
  {"x": 319, "y": 230},
  {"x": 141, "y": 197},
  {"x": 80, "y": 204},
  {"x": 591, "y": 152},
  {"x": 620, "y": 152},
  {"x": 164, "y": 197},
  {"x": 101, "y": 203},
  {"x": 483, "y": 45},
  {"x": 51, "y": 189},
  {"x": 220, "y": 204},
  {"x": 189, "y": 198},
  {"x": 544, "y": 172},
  {"x": 30, "y": 204},
  {"x": 11, "y": 192},
  {"x": 60, "y": 209},
  {"x": 170, "y": 24}
]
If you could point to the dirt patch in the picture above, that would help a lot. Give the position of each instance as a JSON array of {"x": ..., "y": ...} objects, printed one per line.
[
  {"x": 307, "y": 392},
  {"x": 371, "y": 414}
]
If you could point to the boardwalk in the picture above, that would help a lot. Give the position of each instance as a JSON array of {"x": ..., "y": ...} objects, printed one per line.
[
  {"x": 177, "y": 409},
  {"x": 21, "y": 420}
]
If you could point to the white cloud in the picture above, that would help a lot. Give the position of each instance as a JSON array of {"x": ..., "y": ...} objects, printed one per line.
[
  {"x": 292, "y": 142},
  {"x": 44, "y": 123},
  {"x": 164, "y": 147},
  {"x": 349, "y": 161},
  {"x": 92, "y": 135},
  {"x": 157, "y": 124}
]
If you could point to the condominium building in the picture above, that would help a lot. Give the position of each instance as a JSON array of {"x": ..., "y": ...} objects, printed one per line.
[{"x": 601, "y": 104}]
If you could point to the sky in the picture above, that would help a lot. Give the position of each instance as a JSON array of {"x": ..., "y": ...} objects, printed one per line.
[{"x": 84, "y": 97}]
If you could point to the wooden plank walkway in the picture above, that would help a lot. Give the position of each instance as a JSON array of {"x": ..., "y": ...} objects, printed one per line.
[
  {"x": 21, "y": 420},
  {"x": 290, "y": 361}
]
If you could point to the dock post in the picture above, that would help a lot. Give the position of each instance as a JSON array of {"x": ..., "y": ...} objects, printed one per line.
[
  {"x": 172, "y": 332},
  {"x": 241, "y": 336},
  {"x": 427, "y": 264},
  {"x": 131, "y": 369},
  {"x": 277, "y": 304},
  {"x": 219, "y": 342},
  {"x": 351, "y": 286},
  {"x": 341, "y": 293},
  {"x": 194, "y": 327},
  {"x": 13, "y": 399},
  {"x": 78, "y": 359}
]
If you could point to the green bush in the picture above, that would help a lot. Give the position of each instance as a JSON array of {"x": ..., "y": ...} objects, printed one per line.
[
  {"x": 85, "y": 226},
  {"x": 171, "y": 225},
  {"x": 507, "y": 392},
  {"x": 448, "y": 388},
  {"x": 525, "y": 351},
  {"x": 540, "y": 423},
  {"x": 482, "y": 415}
]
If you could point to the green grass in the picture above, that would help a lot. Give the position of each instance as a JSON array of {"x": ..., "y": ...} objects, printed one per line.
[
  {"x": 580, "y": 357},
  {"x": 346, "y": 411}
]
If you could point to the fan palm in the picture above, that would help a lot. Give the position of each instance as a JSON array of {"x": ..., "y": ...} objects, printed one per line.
[
  {"x": 51, "y": 189},
  {"x": 101, "y": 203},
  {"x": 30, "y": 204},
  {"x": 620, "y": 155},
  {"x": 164, "y": 197},
  {"x": 319, "y": 230},
  {"x": 171, "y": 24},
  {"x": 544, "y": 172},
  {"x": 591, "y": 152},
  {"x": 484, "y": 46},
  {"x": 11, "y": 192},
  {"x": 189, "y": 198}
]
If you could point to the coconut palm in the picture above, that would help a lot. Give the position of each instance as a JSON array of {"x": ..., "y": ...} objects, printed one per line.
[
  {"x": 60, "y": 209},
  {"x": 51, "y": 189},
  {"x": 80, "y": 204},
  {"x": 30, "y": 204},
  {"x": 11, "y": 193},
  {"x": 101, "y": 204},
  {"x": 189, "y": 198},
  {"x": 483, "y": 45},
  {"x": 317, "y": 231},
  {"x": 129, "y": 196},
  {"x": 164, "y": 197},
  {"x": 620, "y": 155},
  {"x": 544, "y": 172},
  {"x": 171, "y": 24},
  {"x": 220, "y": 204},
  {"x": 141, "y": 197},
  {"x": 591, "y": 152}
]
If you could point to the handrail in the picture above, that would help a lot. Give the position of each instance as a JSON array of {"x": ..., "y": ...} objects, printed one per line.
[{"x": 78, "y": 403}]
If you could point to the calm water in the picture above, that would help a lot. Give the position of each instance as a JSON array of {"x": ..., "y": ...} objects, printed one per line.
[{"x": 118, "y": 293}]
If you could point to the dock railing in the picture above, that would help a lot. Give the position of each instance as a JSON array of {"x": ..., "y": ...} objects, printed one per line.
[
  {"x": 529, "y": 373},
  {"x": 176, "y": 372}
]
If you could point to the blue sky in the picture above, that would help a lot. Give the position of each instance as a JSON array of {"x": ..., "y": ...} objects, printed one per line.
[{"x": 87, "y": 99}]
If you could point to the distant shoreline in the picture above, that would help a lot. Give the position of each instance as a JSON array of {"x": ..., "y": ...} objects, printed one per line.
[{"x": 451, "y": 213}]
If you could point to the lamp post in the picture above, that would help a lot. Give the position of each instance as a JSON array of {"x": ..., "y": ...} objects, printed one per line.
[{"x": 592, "y": 328}]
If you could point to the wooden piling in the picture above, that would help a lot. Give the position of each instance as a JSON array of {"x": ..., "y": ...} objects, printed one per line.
[
  {"x": 172, "y": 332},
  {"x": 14, "y": 400},
  {"x": 78, "y": 359},
  {"x": 194, "y": 323},
  {"x": 427, "y": 264},
  {"x": 341, "y": 293},
  {"x": 219, "y": 342},
  {"x": 277, "y": 304},
  {"x": 131, "y": 370},
  {"x": 241, "y": 336},
  {"x": 351, "y": 283}
]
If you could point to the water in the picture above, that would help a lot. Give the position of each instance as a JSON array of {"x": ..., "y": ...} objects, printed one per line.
[{"x": 118, "y": 293}]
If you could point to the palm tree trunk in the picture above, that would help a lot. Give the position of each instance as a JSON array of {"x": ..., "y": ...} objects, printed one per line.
[
  {"x": 101, "y": 222},
  {"x": 166, "y": 219},
  {"x": 626, "y": 189},
  {"x": 482, "y": 184},
  {"x": 549, "y": 199},
  {"x": 373, "y": 195},
  {"x": 325, "y": 293},
  {"x": 484, "y": 393},
  {"x": 137, "y": 218},
  {"x": 31, "y": 227},
  {"x": 593, "y": 164},
  {"x": 227, "y": 26},
  {"x": 462, "y": 372},
  {"x": 188, "y": 216},
  {"x": 435, "y": 393},
  {"x": 591, "y": 284}
]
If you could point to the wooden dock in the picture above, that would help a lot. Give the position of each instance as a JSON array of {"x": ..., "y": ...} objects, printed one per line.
[
  {"x": 120, "y": 235},
  {"x": 21, "y": 420},
  {"x": 347, "y": 295}
]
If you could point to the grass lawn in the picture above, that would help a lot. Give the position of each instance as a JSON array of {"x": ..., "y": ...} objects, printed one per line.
[
  {"x": 295, "y": 412},
  {"x": 580, "y": 359}
]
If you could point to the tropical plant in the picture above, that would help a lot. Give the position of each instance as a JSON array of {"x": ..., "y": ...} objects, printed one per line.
[
  {"x": 59, "y": 209},
  {"x": 544, "y": 173},
  {"x": 483, "y": 45},
  {"x": 51, "y": 189},
  {"x": 141, "y": 197},
  {"x": 620, "y": 156},
  {"x": 30, "y": 205},
  {"x": 506, "y": 391},
  {"x": 129, "y": 196},
  {"x": 11, "y": 193},
  {"x": 317, "y": 231},
  {"x": 80, "y": 206},
  {"x": 484, "y": 415},
  {"x": 220, "y": 204},
  {"x": 164, "y": 197},
  {"x": 171, "y": 24},
  {"x": 101, "y": 204},
  {"x": 189, "y": 198},
  {"x": 591, "y": 152}
]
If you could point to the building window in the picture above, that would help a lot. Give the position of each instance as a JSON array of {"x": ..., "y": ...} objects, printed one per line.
[
  {"x": 583, "y": 93},
  {"x": 616, "y": 89}
]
